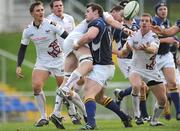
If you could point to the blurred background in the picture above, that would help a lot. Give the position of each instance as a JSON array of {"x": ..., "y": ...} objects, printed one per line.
[{"x": 16, "y": 96}]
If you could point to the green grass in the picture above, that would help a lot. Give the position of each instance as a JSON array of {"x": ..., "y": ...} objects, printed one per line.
[{"x": 103, "y": 125}]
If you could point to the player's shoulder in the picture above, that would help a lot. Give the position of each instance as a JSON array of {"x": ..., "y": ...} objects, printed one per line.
[
  {"x": 50, "y": 22},
  {"x": 67, "y": 16},
  {"x": 51, "y": 16},
  {"x": 99, "y": 21},
  {"x": 28, "y": 27},
  {"x": 153, "y": 35}
]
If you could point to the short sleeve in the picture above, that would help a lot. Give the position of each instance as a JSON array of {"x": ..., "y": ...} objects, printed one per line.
[
  {"x": 25, "y": 37},
  {"x": 58, "y": 29}
]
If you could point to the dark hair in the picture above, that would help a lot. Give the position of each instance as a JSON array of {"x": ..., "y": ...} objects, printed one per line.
[
  {"x": 33, "y": 5},
  {"x": 124, "y": 3},
  {"x": 97, "y": 7},
  {"x": 147, "y": 15},
  {"x": 159, "y": 4},
  {"x": 117, "y": 8},
  {"x": 52, "y": 2}
]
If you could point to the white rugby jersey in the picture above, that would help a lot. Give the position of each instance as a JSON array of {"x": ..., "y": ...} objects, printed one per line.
[
  {"x": 44, "y": 37},
  {"x": 141, "y": 59},
  {"x": 80, "y": 29},
  {"x": 67, "y": 23}
]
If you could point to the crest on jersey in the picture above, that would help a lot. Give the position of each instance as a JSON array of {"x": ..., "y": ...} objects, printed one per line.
[{"x": 53, "y": 23}]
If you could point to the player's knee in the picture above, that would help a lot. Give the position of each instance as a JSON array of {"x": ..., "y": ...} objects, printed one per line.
[
  {"x": 89, "y": 61},
  {"x": 162, "y": 101},
  {"x": 37, "y": 86}
]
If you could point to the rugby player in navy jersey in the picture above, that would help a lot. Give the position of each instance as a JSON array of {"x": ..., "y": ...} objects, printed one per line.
[
  {"x": 168, "y": 31},
  {"x": 99, "y": 41},
  {"x": 165, "y": 61}
]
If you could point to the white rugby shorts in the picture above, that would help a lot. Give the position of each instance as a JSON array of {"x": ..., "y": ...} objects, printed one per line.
[{"x": 102, "y": 73}]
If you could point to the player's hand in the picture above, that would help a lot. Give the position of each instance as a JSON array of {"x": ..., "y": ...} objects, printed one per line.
[
  {"x": 128, "y": 31},
  {"x": 75, "y": 46},
  {"x": 19, "y": 73},
  {"x": 156, "y": 29},
  {"x": 143, "y": 46}
]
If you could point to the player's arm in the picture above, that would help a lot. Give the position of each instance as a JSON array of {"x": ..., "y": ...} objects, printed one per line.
[
  {"x": 116, "y": 24},
  {"x": 21, "y": 53},
  {"x": 153, "y": 45},
  {"x": 124, "y": 51},
  {"x": 170, "y": 40},
  {"x": 87, "y": 37},
  {"x": 20, "y": 58},
  {"x": 170, "y": 31},
  {"x": 151, "y": 48},
  {"x": 167, "y": 31},
  {"x": 59, "y": 30}
]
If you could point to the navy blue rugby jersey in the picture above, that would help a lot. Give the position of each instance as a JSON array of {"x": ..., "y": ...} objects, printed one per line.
[
  {"x": 120, "y": 37},
  {"x": 101, "y": 46},
  {"x": 163, "y": 48}
]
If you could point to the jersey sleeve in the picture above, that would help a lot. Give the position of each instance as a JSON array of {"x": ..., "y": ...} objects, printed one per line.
[
  {"x": 106, "y": 15},
  {"x": 96, "y": 23},
  {"x": 25, "y": 37}
]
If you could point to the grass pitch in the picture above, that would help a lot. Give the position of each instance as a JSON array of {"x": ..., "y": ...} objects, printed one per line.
[{"x": 103, "y": 125}]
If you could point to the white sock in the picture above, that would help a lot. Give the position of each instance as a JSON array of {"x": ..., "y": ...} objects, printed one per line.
[
  {"x": 71, "y": 108},
  {"x": 57, "y": 106},
  {"x": 41, "y": 103},
  {"x": 157, "y": 112},
  {"x": 75, "y": 76},
  {"x": 78, "y": 102},
  {"x": 77, "y": 87},
  {"x": 136, "y": 102}
]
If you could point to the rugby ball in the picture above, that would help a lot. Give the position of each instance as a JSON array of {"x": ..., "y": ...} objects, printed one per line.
[{"x": 131, "y": 10}]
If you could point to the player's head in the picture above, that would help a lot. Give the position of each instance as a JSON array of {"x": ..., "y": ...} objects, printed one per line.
[
  {"x": 161, "y": 10},
  {"x": 37, "y": 10},
  {"x": 93, "y": 11},
  {"x": 145, "y": 22},
  {"x": 57, "y": 7},
  {"x": 117, "y": 13}
]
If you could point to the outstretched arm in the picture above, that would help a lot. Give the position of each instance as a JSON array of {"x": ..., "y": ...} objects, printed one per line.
[
  {"x": 168, "y": 31},
  {"x": 21, "y": 54}
]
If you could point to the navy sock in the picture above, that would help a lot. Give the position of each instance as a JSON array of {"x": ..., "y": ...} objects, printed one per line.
[
  {"x": 90, "y": 105},
  {"x": 176, "y": 100},
  {"x": 127, "y": 91},
  {"x": 110, "y": 104},
  {"x": 143, "y": 109}
]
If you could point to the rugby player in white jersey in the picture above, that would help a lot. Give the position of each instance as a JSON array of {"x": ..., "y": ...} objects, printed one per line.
[
  {"x": 144, "y": 45},
  {"x": 42, "y": 32},
  {"x": 83, "y": 54},
  {"x": 67, "y": 22}
]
